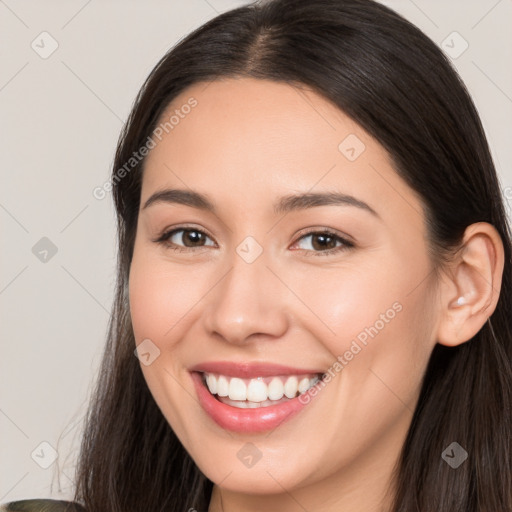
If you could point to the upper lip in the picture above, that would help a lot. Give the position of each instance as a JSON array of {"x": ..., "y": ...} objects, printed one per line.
[{"x": 249, "y": 370}]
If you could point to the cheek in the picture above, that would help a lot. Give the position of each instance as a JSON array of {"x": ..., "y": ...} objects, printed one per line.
[
  {"x": 380, "y": 311},
  {"x": 160, "y": 297},
  {"x": 348, "y": 300},
  {"x": 161, "y": 301}
]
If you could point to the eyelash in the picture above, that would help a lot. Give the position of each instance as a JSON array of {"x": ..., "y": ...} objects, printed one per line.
[{"x": 163, "y": 239}]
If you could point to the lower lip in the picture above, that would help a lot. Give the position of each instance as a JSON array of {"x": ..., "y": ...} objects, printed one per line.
[{"x": 245, "y": 420}]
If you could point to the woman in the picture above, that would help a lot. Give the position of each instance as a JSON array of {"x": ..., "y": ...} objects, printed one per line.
[{"x": 315, "y": 275}]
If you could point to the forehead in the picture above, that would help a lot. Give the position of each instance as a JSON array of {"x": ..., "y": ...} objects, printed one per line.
[{"x": 269, "y": 138}]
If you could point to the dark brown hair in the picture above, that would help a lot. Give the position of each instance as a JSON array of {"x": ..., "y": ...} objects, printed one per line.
[{"x": 396, "y": 83}]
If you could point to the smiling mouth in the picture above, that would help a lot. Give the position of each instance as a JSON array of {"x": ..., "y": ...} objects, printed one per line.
[{"x": 257, "y": 392}]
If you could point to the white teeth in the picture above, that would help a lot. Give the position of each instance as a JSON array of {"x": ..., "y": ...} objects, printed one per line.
[
  {"x": 237, "y": 389},
  {"x": 290, "y": 388},
  {"x": 256, "y": 392},
  {"x": 275, "y": 389},
  {"x": 211, "y": 382},
  {"x": 303, "y": 385},
  {"x": 222, "y": 386},
  {"x": 246, "y": 404}
]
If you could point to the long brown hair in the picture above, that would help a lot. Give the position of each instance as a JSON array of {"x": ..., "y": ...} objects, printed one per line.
[{"x": 395, "y": 82}]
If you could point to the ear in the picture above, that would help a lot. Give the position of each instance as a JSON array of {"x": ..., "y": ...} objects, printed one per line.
[{"x": 471, "y": 288}]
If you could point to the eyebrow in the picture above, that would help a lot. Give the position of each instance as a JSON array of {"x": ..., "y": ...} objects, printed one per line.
[{"x": 284, "y": 205}]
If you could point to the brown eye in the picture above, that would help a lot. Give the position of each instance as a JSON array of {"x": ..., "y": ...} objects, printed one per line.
[
  {"x": 183, "y": 239},
  {"x": 324, "y": 242},
  {"x": 192, "y": 237}
]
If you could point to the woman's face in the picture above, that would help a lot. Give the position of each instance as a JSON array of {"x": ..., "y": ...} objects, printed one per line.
[{"x": 255, "y": 287}]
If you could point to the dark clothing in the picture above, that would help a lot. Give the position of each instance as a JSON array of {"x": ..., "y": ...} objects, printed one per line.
[{"x": 41, "y": 506}]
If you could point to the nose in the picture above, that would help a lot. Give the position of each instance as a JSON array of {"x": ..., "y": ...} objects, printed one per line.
[{"x": 247, "y": 304}]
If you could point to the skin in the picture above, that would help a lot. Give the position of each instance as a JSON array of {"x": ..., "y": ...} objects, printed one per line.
[{"x": 244, "y": 145}]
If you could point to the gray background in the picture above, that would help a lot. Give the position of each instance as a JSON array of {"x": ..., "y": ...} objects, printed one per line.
[{"x": 60, "y": 119}]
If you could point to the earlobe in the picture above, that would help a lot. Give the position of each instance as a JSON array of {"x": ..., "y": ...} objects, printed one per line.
[{"x": 470, "y": 294}]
